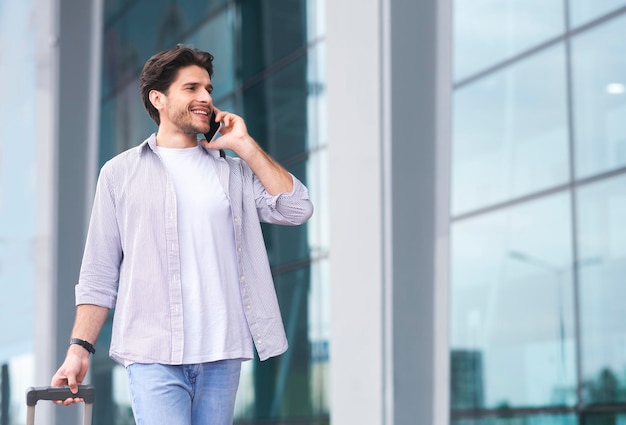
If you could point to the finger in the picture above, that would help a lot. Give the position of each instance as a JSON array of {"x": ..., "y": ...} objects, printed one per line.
[
  {"x": 219, "y": 114},
  {"x": 71, "y": 400},
  {"x": 226, "y": 119},
  {"x": 71, "y": 382}
]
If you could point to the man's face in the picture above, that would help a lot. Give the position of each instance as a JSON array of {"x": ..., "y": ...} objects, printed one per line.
[{"x": 188, "y": 103}]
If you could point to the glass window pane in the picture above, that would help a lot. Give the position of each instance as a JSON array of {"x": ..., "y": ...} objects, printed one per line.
[
  {"x": 317, "y": 183},
  {"x": 270, "y": 30},
  {"x": 617, "y": 418},
  {"x": 512, "y": 320},
  {"x": 113, "y": 8},
  {"x": 489, "y": 31},
  {"x": 599, "y": 92},
  {"x": 510, "y": 133},
  {"x": 520, "y": 420},
  {"x": 601, "y": 268},
  {"x": 582, "y": 11},
  {"x": 124, "y": 122},
  {"x": 131, "y": 39},
  {"x": 26, "y": 175},
  {"x": 316, "y": 19},
  {"x": 317, "y": 135},
  {"x": 193, "y": 12},
  {"x": 276, "y": 111},
  {"x": 18, "y": 374},
  {"x": 217, "y": 37},
  {"x": 295, "y": 384}
]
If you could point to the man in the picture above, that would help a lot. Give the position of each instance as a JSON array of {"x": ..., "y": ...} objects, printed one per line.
[{"x": 175, "y": 246}]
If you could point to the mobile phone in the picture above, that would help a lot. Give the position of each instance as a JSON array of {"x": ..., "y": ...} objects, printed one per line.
[{"x": 212, "y": 129}]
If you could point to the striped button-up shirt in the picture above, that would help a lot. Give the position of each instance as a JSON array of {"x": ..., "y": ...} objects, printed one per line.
[{"x": 131, "y": 260}]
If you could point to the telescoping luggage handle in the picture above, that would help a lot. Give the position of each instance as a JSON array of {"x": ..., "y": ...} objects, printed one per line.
[{"x": 34, "y": 394}]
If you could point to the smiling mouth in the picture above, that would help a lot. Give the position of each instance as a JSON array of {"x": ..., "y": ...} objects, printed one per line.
[{"x": 200, "y": 112}]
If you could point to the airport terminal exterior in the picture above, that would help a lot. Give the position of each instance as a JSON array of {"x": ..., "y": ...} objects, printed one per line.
[{"x": 467, "y": 161}]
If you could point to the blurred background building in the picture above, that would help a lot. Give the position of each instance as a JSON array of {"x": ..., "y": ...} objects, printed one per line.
[{"x": 467, "y": 159}]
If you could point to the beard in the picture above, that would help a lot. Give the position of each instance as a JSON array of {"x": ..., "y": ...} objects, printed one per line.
[{"x": 185, "y": 120}]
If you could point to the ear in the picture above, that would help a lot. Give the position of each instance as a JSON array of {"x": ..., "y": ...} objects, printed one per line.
[{"x": 157, "y": 99}]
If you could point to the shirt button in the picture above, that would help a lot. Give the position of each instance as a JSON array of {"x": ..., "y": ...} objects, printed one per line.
[
  {"x": 242, "y": 278},
  {"x": 238, "y": 249},
  {"x": 248, "y": 307}
]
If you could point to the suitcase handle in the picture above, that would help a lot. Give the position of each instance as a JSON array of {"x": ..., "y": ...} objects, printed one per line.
[{"x": 34, "y": 394}]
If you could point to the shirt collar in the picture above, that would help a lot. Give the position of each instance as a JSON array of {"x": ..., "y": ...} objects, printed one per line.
[{"x": 150, "y": 143}]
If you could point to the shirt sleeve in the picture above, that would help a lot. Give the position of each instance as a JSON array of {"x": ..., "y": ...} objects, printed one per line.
[
  {"x": 99, "y": 273},
  {"x": 287, "y": 208}
]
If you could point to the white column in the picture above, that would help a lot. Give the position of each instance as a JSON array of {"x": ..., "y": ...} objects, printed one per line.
[
  {"x": 75, "y": 38},
  {"x": 389, "y": 91},
  {"x": 356, "y": 265}
]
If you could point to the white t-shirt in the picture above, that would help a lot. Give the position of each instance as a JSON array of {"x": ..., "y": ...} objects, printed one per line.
[{"x": 215, "y": 326}]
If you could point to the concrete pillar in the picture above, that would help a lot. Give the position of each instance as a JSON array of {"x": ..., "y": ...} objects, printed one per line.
[
  {"x": 74, "y": 96},
  {"x": 389, "y": 91}
]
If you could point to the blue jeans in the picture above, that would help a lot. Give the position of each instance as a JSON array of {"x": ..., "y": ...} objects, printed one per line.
[{"x": 198, "y": 394}]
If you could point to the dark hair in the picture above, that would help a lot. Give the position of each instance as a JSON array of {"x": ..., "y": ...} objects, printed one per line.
[{"x": 161, "y": 69}]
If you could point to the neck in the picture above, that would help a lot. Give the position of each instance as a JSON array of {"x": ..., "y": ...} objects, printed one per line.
[{"x": 175, "y": 139}]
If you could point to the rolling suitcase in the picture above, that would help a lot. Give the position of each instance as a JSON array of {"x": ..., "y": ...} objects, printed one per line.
[{"x": 33, "y": 395}]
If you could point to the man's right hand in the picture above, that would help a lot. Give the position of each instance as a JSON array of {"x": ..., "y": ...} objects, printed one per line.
[{"x": 72, "y": 372}]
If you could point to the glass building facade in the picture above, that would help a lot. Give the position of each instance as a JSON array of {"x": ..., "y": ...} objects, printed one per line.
[
  {"x": 477, "y": 154},
  {"x": 538, "y": 246}
]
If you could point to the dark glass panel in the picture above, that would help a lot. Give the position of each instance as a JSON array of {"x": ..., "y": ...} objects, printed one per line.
[
  {"x": 217, "y": 36},
  {"x": 294, "y": 384},
  {"x": 276, "y": 111},
  {"x": 270, "y": 30}
]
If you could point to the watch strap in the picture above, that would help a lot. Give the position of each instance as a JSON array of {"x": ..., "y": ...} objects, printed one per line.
[{"x": 86, "y": 345}]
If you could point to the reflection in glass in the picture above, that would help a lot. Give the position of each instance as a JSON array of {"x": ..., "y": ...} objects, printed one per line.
[
  {"x": 295, "y": 384},
  {"x": 317, "y": 183},
  {"x": 316, "y": 19},
  {"x": 271, "y": 30},
  {"x": 599, "y": 84},
  {"x": 317, "y": 134},
  {"x": 489, "y": 31},
  {"x": 17, "y": 374},
  {"x": 582, "y": 11},
  {"x": 521, "y": 420},
  {"x": 601, "y": 268},
  {"x": 217, "y": 37},
  {"x": 276, "y": 111},
  {"x": 124, "y": 122},
  {"x": 510, "y": 133},
  {"x": 617, "y": 418},
  {"x": 512, "y": 320}
]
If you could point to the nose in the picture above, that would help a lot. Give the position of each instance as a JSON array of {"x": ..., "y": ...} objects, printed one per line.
[{"x": 204, "y": 96}]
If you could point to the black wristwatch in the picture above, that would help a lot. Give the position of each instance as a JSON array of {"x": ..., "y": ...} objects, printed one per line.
[{"x": 86, "y": 345}]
